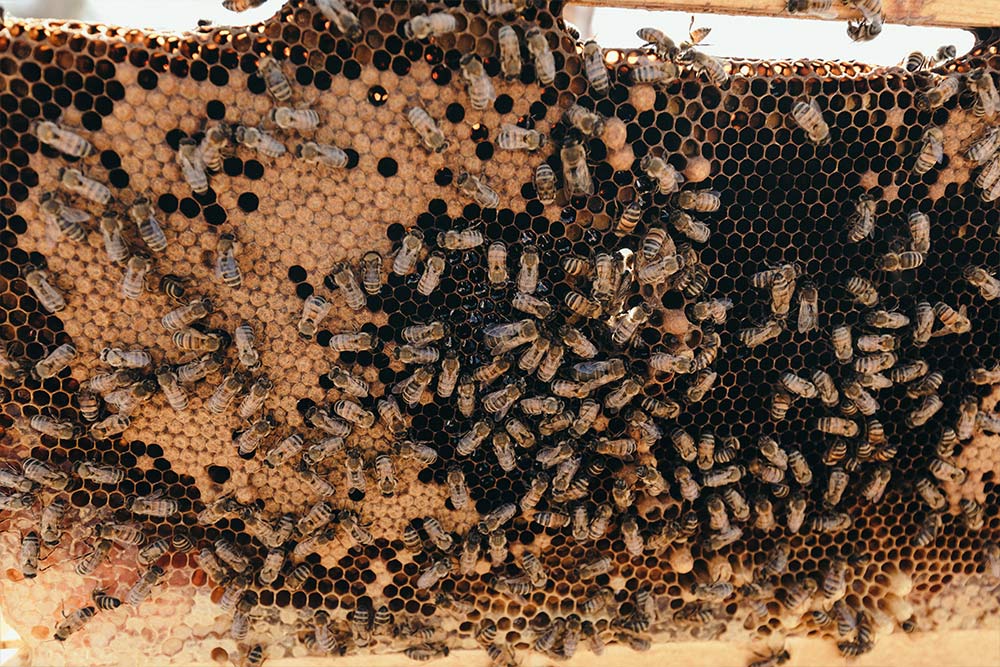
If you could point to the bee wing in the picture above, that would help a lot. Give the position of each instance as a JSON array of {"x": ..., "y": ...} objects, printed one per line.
[{"x": 75, "y": 215}]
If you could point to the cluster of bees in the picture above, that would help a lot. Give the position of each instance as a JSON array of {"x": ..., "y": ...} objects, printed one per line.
[{"x": 555, "y": 391}]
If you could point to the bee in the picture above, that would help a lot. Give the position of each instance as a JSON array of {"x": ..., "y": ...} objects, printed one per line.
[
  {"x": 504, "y": 451},
  {"x": 258, "y": 140},
  {"x": 438, "y": 570},
  {"x": 277, "y": 85},
  {"x": 661, "y": 409},
  {"x": 215, "y": 145},
  {"x": 714, "y": 310},
  {"x": 538, "y": 47},
  {"x": 390, "y": 415},
  {"x": 74, "y": 181},
  {"x": 90, "y": 562},
  {"x": 341, "y": 17},
  {"x": 923, "y": 412},
  {"x": 758, "y": 335},
  {"x": 817, "y": 8},
  {"x": 153, "y": 551},
  {"x": 512, "y": 138},
  {"x": 594, "y": 67},
  {"x": 188, "y": 314},
  {"x": 226, "y": 268},
  {"x": 594, "y": 566},
  {"x": 152, "y": 505},
  {"x": 480, "y": 88},
  {"x": 193, "y": 168},
  {"x": 576, "y": 174},
  {"x": 73, "y": 623},
  {"x": 144, "y": 586},
  {"x": 65, "y": 220},
  {"x": 946, "y": 471},
  {"x": 209, "y": 562},
  {"x": 510, "y": 52},
  {"x": 55, "y": 361},
  {"x": 430, "y": 25},
  {"x": 931, "y": 151},
  {"x": 352, "y": 342},
  {"x": 110, "y": 426},
  {"x": 920, "y": 231},
  {"x": 385, "y": 472},
  {"x": 937, "y": 96},
  {"x": 712, "y": 592},
  {"x": 54, "y": 428},
  {"x": 968, "y": 412},
  {"x": 226, "y": 392},
  {"x": 149, "y": 227},
  {"x": 772, "y": 452},
  {"x": 886, "y": 319},
  {"x": 311, "y": 152},
  {"x": 297, "y": 577},
  {"x": 987, "y": 284},
  {"x": 197, "y": 341},
  {"x": 173, "y": 286},
  {"x": 358, "y": 532},
  {"x": 701, "y": 384},
  {"x": 929, "y": 530},
  {"x": 901, "y": 261},
  {"x": 953, "y": 320},
  {"x": 767, "y": 473},
  {"x": 693, "y": 229},
  {"x": 473, "y": 187},
  {"x": 346, "y": 280},
  {"x": 496, "y": 518},
  {"x": 712, "y": 68},
  {"x": 48, "y": 296},
  {"x": 835, "y": 487},
  {"x": 252, "y": 403},
  {"x": 798, "y": 385},
  {"x": 809, "y": 117},
  {"x": 354, "y": 467},
  {"x": 354, "y": 413},
  {"x": 288, "y": 118},
  {"x": 704, "y": 201},
  {"x": 97, "y": 473},
  {"x": 430, "y": 134},
  {"x": 284, "y": 451},
  {"x": 246, "y": 354},
  {"x": 985, "y": 147},
  {"x": 121, "y": 534},
  {"x": 63, "y": 140},
  {"x": 861, "y": 223},
  {"x": 199, "y": 368}
]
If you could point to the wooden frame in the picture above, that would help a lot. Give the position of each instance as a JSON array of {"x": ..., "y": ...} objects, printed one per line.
[{"x": 950, "y": 13}]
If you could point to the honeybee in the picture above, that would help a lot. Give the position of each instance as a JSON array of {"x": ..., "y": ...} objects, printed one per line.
[
  {"x": 438, "y": 570},
  {"x": 496, "y": 518},
  {"x": 277, "y": 85},
  {"x": 215, "y": 145},
  {"x": 510, "y": 52},
  {"x": 953, "y": 320},
  {"x": 73, "y": 623},
  {"x": 521, "y": 434},
  {"x": 52, "y": 363},
  {"x": 186, "y": 315},
  {"x": 861, "y": 224},
  {"x": 929, "y": 530},
  {"x": 538, "y": 47},
  {"x": 110, "y": 426},
  {"x": 831, "y": 522},
  {"x": 704, "y": 201},
  {"x": 512, "y": 137},
  {"x": 584, "y": 120},
  {"x": 74, "y": 181},
  {"x": 920, "y": 231},
  {"x": 192, "y": 166},
  {"x": 430, "y": 134},
  {"x": 430, "y": 25},
  {"x": 288, "y": 118},
  {"x": 809, "y": 117},
  {"x": 901, "y": 261},
  {"x": 595, "y": 69},
  {"x": 886, "y": 319},
  {"x": 758, "y": 335},
  {"x": 65, "y": 220},
  {"x": 931, "y": 151},
  {"x": 258, "y": 140},
  {"x": 576, "y": 174},
  {"x": 59, "y": 429},
  {"x": 63, "y": 140},
  {"x": 622, "y": 394},
  {"x": 659, "y": 270},
  {"x": 631, "y": 215},
  {"x": 480, "y": 88},
  {"x": 987, "y": 284},
  {"x": 937, "y": 96},
  {"x": 713, "y": 68},
  {"x": 695, "y": 230},
  {"x": 985, "y": 147},
  {"x": 946, "y": 471},
  {"x": 226, "y": 268},
  {"x": 864, "y": 401},
  {"x": 836, "y": 484},
  {"x": 251, "y": 438},
  {"x": 341, "y": 17},
  {"x": 475, "y": 188},
  {"x": 326, "y": 155},
  {"x": 499, "y": 402},
  {"x": 798, "y": 385},
  {"x": 818, "y": 8},
  {"x": 48, "y": 296},
  {"x": 972, "y": 512},
  {"x": 876, "y": 484}
]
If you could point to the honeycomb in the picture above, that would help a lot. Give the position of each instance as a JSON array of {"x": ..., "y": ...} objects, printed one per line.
[{"x": 634, "y": 476}]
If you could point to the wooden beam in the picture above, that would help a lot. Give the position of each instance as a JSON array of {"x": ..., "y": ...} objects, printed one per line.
[{"x": 947, "y": 13}]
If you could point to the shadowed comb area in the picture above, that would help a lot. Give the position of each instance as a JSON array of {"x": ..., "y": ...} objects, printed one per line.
[{"x": 404, "y": 328}]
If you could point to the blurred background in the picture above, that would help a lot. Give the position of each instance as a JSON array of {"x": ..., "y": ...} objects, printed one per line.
[{"x": 731, "y": 35}]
